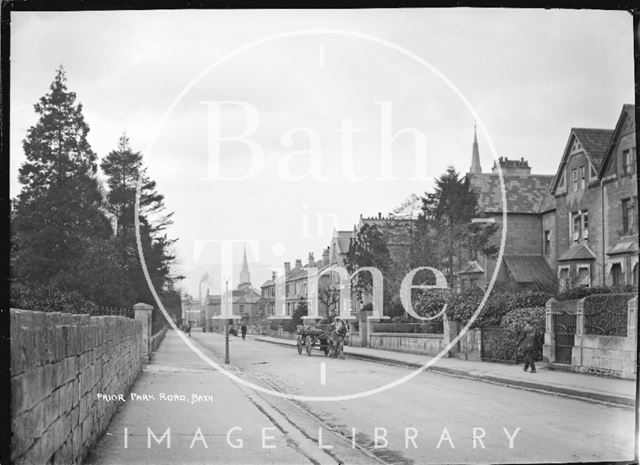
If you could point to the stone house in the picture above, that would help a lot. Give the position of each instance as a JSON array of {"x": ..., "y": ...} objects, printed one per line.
[
  {"x": 592, "y": 223},
  {"x": 575, "y": 228},
  {"x": 523, "y": 265}
]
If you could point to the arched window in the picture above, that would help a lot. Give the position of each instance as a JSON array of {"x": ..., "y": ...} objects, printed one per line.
[{"x": 616, "y": 275}]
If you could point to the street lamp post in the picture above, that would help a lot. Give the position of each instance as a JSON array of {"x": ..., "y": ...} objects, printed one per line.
[{"x": 226, "y": 328}]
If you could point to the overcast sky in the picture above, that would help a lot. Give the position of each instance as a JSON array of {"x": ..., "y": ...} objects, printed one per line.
[{"x": 530, "y": 75}]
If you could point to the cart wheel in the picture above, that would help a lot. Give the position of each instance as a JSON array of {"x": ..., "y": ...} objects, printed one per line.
[
  {"x": 308, "y": 345},
  {"x": 299, "y": 345}
]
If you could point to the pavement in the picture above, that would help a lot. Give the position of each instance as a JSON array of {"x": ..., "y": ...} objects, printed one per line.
[
  {"x": 621, "y": 392},
  {"x": 180, "y": 410}
]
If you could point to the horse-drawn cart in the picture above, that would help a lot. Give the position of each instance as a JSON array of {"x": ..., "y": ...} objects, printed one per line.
[{"x": 309, "y": 336}]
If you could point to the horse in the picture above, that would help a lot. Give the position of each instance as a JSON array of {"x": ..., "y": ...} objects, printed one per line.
[{"x": 336, "y": 338}]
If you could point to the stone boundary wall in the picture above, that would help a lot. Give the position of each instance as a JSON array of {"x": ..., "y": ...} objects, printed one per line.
[
  {"x": 614, "y": 356},
  {"x": 157, "y": 338},
  {"x": 59, "y": 364},
  {"x": 414, "y": 343}
]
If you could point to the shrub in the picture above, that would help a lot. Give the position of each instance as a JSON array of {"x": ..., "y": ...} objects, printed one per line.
[
  {"x": 291, "y": 324},
  {"x": 578, "y": 293},
  {"x": 462, "y": 306},
  {"x": 49, "y": 299},
  {"x": 513, "y": 322}
]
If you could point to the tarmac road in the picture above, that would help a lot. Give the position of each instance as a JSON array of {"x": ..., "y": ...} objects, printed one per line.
[{"x": 432, "y": 409}]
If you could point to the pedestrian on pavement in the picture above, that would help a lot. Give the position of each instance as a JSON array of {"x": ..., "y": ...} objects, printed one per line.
[
  {"x": 189, "y": 329},
  {"x": 528, "y": 343},
  {"x": 243, "y": 330}
]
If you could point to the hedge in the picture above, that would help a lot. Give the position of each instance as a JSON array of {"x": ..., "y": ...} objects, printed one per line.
[
  {"x": 461, "y": 307},
  {"x": 578, "y": 293},
  {"x": 49, "y": 299},
  {"x": 513, "y": 322}
]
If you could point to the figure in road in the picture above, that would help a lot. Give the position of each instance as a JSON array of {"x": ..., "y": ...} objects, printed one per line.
[
  {"x": 243, "y": 330},
  {"x": 528, "y": 343}
]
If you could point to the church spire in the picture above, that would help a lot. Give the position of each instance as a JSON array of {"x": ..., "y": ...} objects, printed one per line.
[
  {"x": 475, "y": 155},
  {"x": 245, "y": 277}
]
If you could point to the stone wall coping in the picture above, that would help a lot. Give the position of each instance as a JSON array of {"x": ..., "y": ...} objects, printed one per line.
[
  {"x": 408, "y": 335},
  {"x": 142, "y": 306}
]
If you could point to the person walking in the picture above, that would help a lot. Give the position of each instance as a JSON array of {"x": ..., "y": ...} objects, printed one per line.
[
  {"x": 528, "y": 343},
  {"x": 243, "y": 330}
]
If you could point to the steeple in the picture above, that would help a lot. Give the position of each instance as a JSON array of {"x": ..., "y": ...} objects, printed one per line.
[
  {"x": 245, "y": 277},
  {"x": 475, "y": 155}
]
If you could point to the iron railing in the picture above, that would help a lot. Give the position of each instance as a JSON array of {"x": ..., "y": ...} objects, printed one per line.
[{"x": 605, "y": 322}]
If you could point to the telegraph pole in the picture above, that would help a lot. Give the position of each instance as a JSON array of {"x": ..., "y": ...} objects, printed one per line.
[{"x": 226, "y": 327}]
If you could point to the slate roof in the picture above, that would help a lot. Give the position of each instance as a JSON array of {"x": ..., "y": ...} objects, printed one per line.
[
  {"x": 548, "y": 201},
  {"x": 529, "y": 269},
  {"x": 525, "y": 194},
  {"x": 577, "y": 252},
  {"x": 628, "y": 110},
  {"x": 626, "y": 245},
  {"x": 595, "y": 142}
]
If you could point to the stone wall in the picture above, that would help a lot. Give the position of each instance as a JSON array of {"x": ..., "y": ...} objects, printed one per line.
[
  {"x": 428, "y": 344},
  {"x": 604, "y": 355},
  {"x": 59, "y": 364},
  {"x": 157, "y": 338}
]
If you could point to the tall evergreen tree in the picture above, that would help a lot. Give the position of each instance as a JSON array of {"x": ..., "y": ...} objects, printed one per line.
[
  {"x": 123, "y": 168},
  {"x": 59, "y": 214},
  {"x": 447, "y": 227}
]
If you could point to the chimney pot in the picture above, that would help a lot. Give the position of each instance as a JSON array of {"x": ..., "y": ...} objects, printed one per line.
[
  {"x": 379, "y": 215},
  {"x": 325, "y": 257},
  {"x": 312, "y": 260}
]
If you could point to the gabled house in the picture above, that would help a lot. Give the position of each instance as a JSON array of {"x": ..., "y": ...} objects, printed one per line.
[
  {"x": 619, "y": 178},
  {"x": 578, "y": 208}
]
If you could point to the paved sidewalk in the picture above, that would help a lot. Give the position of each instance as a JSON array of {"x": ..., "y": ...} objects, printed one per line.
[
  {"x": 176, "y": 371},
  {"x": 582, "y": 386}
]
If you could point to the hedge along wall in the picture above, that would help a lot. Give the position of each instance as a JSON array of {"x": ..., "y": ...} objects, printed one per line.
[{"x": 59, "y": 364}]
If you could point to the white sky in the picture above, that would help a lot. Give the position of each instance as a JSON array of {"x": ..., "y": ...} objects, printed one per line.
[{"x": 530, "y": 75}]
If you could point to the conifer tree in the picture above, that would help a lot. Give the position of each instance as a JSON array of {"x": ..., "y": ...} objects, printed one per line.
[
  {"x": 123, "y": 168},
  {"x": 59, "y": 213}
]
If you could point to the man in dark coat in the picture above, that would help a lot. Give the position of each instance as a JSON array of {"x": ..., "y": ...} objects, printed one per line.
[
  {"x": 528, "y": 343},
  {"x": 243, "y": 330}
]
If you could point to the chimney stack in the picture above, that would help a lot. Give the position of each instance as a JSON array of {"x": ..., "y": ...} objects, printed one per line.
[
  {"x": 325, "y": 257},
  {"x": 312, "y": 261},
  {"x": 274, "y": 275},
  {"x": 298, "y": 263},
  {"x": 379, "y": 215},
  {"x": 287, "y": 267}
]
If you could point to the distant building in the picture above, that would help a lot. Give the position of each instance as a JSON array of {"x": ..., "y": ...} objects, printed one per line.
[
  {"x": 191, "y": 311},
  {"x": 244, "y": 300}
]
